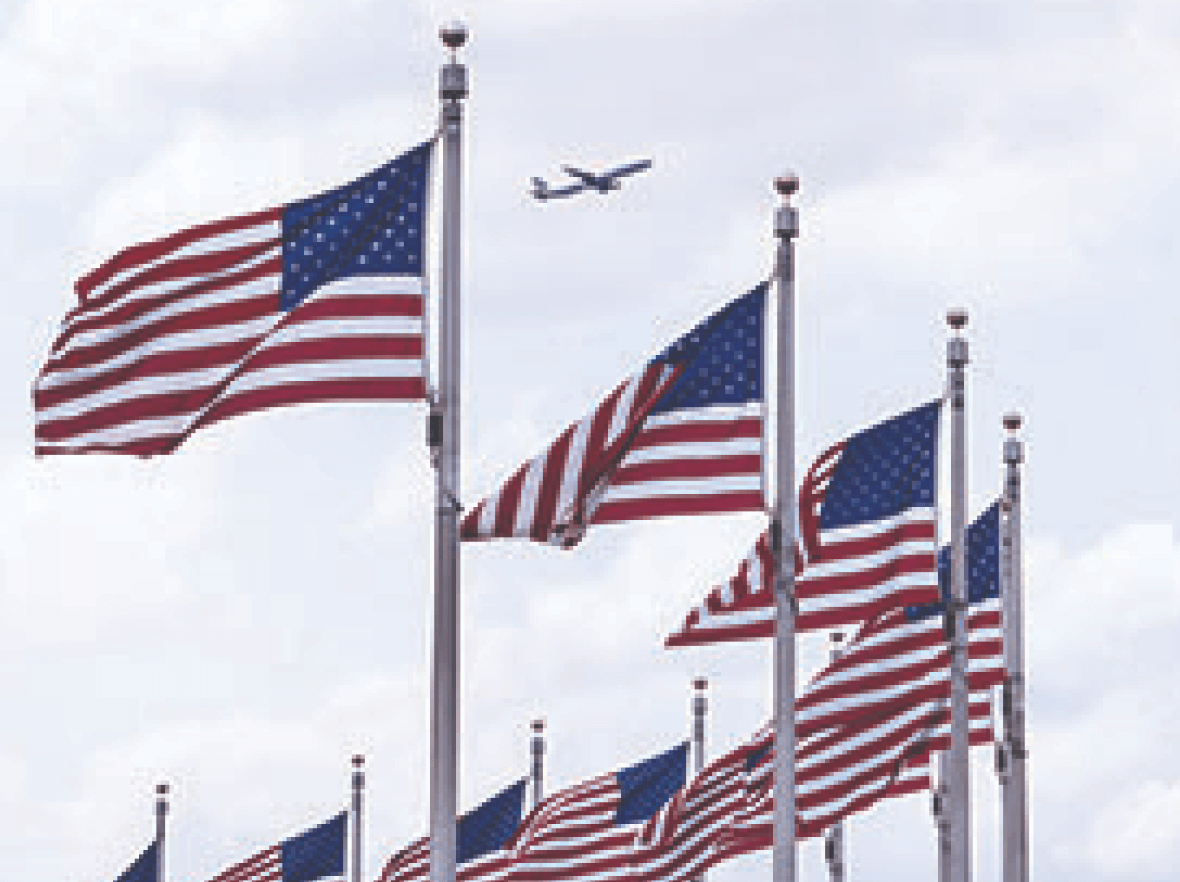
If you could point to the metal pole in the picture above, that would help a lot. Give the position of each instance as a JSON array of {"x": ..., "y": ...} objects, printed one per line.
[
  {"x": 161, "y": 829},
  {"x": 358, "y": 806},
  {"x": 786, "y": 228},
  {"x": 1015, "y": 780},
  {"x": 444, "y": 698},
  {"x": 958, "y": 792},
  {"x": 700, "y": 709},
  {"x": 537, "y": 747},
  {"x": 834, "y": 839},
  {"x": 938, "y": 805}
]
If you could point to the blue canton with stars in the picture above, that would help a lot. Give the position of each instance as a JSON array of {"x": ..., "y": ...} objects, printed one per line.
[
  {"x": 646, "y": 786},
  {"x": 722, "y": 357},
  {"x": 884, "y": 470},
  {"x": 491, "y": 825},
  {"x": 983, "y": 565},
  {"x": 372, "y": 226}
]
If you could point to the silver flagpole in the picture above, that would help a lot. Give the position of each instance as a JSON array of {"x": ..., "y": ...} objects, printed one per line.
[
  {"x": 1015, "y": 780},
  {"x": 537, "y": 749},
  {"x": 834, "y": 839},
  {"x": 161, "y": 829},
  {"x": 786, "y": 228},
  {"x": 700, "y": 709},
  {"x": 958, "y": 791},
  {"x": 444, "y": 431},
  {"x": 358, "y": 806}
]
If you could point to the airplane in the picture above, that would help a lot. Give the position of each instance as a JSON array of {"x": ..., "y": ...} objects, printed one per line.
[{"x": 602, "y": 183}]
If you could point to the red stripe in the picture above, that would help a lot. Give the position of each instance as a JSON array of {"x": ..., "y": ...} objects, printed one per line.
[
  {"x": 688, "y": 468},
  {"x": 141, "y": 407},
  {"x": 340, "y": 306},
  {"x": 655, "y": 507},
  {"x": 508, "y": 503},
  {"x": 698, "y": 431},
  {"x": 332, "y": 349},
  {"x": 146, "y": 252},
  {"x": 550, "y": 489},
  {"x": 195, "y": 319}
]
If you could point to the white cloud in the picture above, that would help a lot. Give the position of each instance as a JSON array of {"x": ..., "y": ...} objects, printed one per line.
[{"x": 1138, "y": 832}]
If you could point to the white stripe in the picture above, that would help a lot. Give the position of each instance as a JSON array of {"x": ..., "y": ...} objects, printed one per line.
[
  {"x": 139, "y": 430},
  {"x": 572, "y": 473},
  {"x": 368, "y": 286},
  {"x": 714, "y": 413},
  {"x": 914, "y": 515},
  {"x": 530, "y": 490},
  {"x": 137, "y": 388},
  {"x": 262, "y": 286},
  {"x": 623, "y": 407},
  {"x": 692, "y": 450},
  {"x": 304, "y": 372},
  {"x": 682, "y": 487},
  {"x": 252, "y": 235},
  {"x": 356, "y": 326},
  {"x": 835, "y": 600},
  {"x": 185, "y": 340}
]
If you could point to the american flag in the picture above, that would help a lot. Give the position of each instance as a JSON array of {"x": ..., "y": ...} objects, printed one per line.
[
  {"x": 315, "y": 854},
  {"x": 588, "y": 832},
  {"x": 900, "y": 657},
  {"x": 866, "y": 542},
  {"x": 483, "y": 836},
  {"x": 318, "y": 300},
  {"x": 683, "y": 436}
]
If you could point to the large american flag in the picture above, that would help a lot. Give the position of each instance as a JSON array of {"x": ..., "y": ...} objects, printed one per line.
[
  {"x": 588, "y": 832},
  {"x": 315, "y": 854},
  {"x": 868, "y": 526},
  {"x": 683, "y": 436},
  {"x": 483, "y": 836},
  {"x": 318, "y": 300}
]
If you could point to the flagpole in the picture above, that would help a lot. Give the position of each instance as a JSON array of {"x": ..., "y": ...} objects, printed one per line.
[
  {"x": 161, "y": 829},
  {"x": 358, "y": 805},
  {"x": 700, "y": 711},
  {"x": 1014, "y": 798},
  {"x": 786, "y": 228},
  {"x": 444, "y": 698},
  {"x": 834, "y": 840},
  {"x": 537, "y": 749},
  {"x": 958, "y": 793}
]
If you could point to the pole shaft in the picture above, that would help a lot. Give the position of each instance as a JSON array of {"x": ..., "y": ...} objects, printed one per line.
[
  {"x": 783, "y": 526},
  {"x": 958, "y": 771},
  {"x": 834, "y": 839},
  {"x": 700, "y": 710},
  {"x": 537, "y": 748},
  {"x": 444, "y": 719},
  {"x": 358, "y": 807},
  {"x": 1014, "y": 798},
  {"x": 161, "y": 829},
  {"x": 941, "y": 822}
]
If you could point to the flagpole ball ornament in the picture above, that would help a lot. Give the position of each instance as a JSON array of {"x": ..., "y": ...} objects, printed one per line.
[
  {"x": 161, "y": 790},
  {"x": 786, "y": 218},
  {"x": 453, "y": 34},
  {"x": 700, "y": 684},
  {"x": 1013, "y": 447},
  {"x": 956, "y": 319},
  {"x": 1013, "y": 421},
  {"x": 538, "y": 726},
  {"x": 787, "y": 185},
  {"x": 358, "y": 760}
]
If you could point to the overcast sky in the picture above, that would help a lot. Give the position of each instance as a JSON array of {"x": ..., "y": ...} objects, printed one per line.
[{"x": 240, "y": 617}]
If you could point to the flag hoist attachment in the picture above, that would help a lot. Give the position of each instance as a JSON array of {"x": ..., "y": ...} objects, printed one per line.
[
  {"x": 1013, "y": 750},
  {"x": 783, "y": 531},
  {"x": 444, "y": 427},
  {"x": 957, "y": 796},
  {"x": 834, "y": 839}
]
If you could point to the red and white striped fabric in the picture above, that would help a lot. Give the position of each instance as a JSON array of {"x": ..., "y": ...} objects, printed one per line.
[
  {"x": 915, "y": 773},
  {"x": 320, "y": 300},
  {"x": 880, "y": 553},
  {"x": 681, "y": 437},
  {"x": 412, "y": 864},
  {"x": 266, "y": 866}
]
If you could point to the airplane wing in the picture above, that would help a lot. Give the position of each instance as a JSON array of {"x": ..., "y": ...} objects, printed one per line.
[
  {"x": 629, "y": 169},
  {"x": 585, "y": 177}
]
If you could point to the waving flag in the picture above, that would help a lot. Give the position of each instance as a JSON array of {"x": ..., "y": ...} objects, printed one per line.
[
  {"x": 316, "y": 854},
  {"x": 901, "y": 656},
  {"x": 483, "y": 836},
  {"x": 681, "y": 437},
  {"x": 144, "y": 868},
  {"x": 589, "y": 831},
  {"x": 319, "y": 300},
  {"x": 867, "y": 539}
]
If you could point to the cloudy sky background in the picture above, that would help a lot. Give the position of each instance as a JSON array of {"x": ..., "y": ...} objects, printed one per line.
[{"x": 239, "y": 618}]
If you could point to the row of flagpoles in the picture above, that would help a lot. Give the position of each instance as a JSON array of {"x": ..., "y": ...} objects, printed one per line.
[{"x": 179, "y": 333}]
